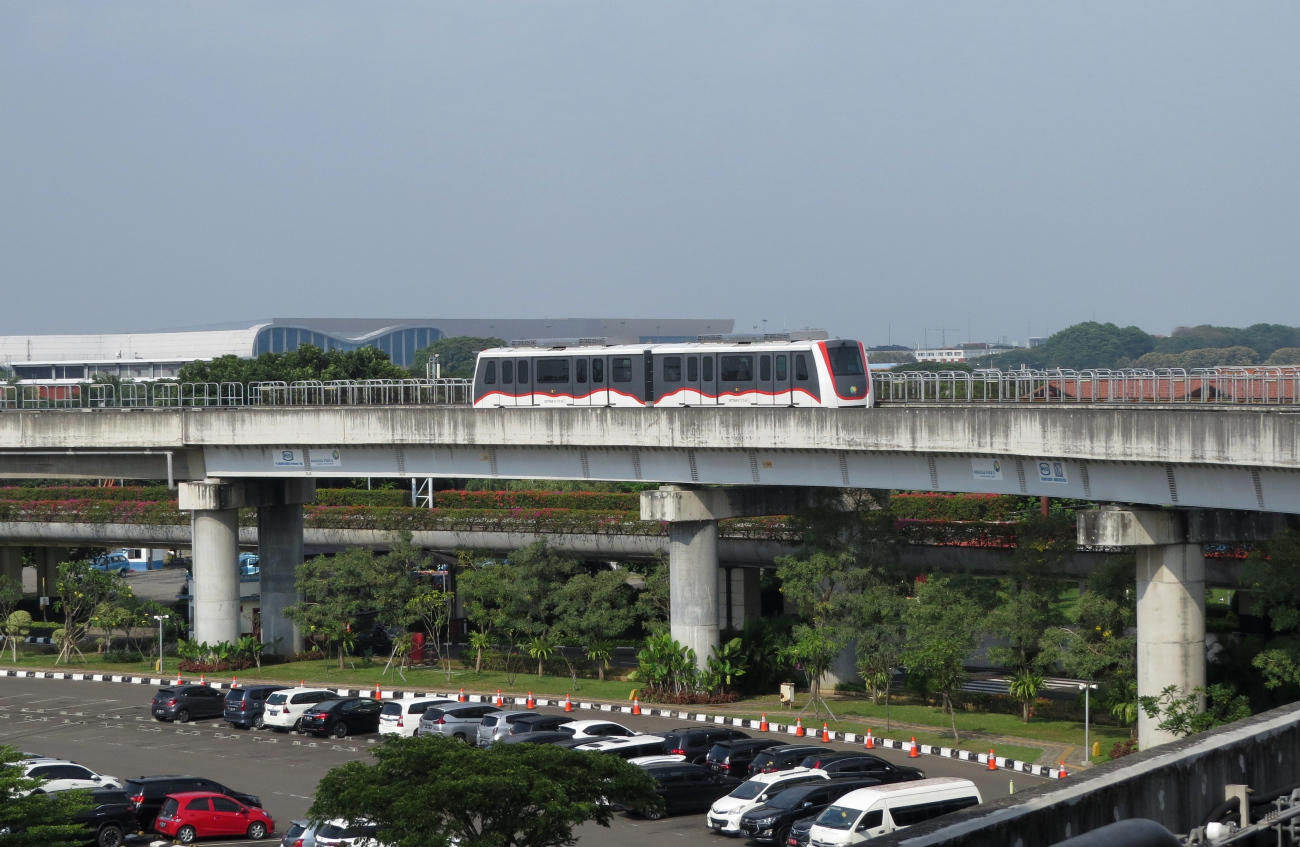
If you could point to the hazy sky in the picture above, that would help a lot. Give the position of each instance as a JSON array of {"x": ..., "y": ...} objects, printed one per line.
[{"x": 873, "y": 168}]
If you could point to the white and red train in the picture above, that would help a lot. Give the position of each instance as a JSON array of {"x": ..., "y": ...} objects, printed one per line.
[{"x": 770, "y": 370}]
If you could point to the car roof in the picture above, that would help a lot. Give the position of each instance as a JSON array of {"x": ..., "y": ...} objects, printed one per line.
[
  {"x": 627, "y": 740},
  {"x": 742, "y": 742},
  {"x": 298, "y": 689},
  {"x": 920, "y": 785},
  {"x": 796, "y": 748},
  {"x": 579, "y": 725},
  {"x": 505, "y": 713},
  {"x": 666, "y": 766},
  {"x": 187, "y": 795},
  {"x": 778, "y": 776},
  {"x": 330, "y": 704}
]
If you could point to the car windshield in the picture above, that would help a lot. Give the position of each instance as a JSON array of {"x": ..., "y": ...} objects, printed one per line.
[
  {"x": 277, "y": 699},
  {"x": 391, "y": 708},
  {"x": 719, "y": 752},
  {"x": 749, "y": 790},
  {"x": 838, "y": 817},
  {"x": 168, "y": 809},
  {"x": 489, "y": 721},
  {"x": 295, "y": 829}
]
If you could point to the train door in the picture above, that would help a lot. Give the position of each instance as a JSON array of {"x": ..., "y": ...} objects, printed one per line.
[
  {"x": 554, "y": 380},
  {"x": 582, "y": 381},
  {"x": 766, "y": 394},
  {"x": 648, "y": 371},
  {"x": 508, "y": 387},
  {"x": 599, "y": 381},
  {"x": 524, "y": 382},
  {"x": 708, "y": 380},
  {"x": 781, "y": 380}
]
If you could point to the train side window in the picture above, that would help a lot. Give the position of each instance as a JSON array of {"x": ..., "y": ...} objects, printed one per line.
[
  {"x": 580, "y": 370},
  {"x": 622, "y": 369},
  {"x": 782, "y": 369},
  {"x": 672, "y": 369},
  {"x": 800, "y": 366},
  {"x": 765, "y": 368},
  {"x": 708, "y": 369},
  {"x": 597, "y": 370},
  {"x": 507, "y": 372},
  {"x": 523, "y": 371},
  {"x": 692, "y": 369},
  {"x": 736, "y": 368},
  {"x": 550, "y": 370},
  {"x": 490, "y": 373}
]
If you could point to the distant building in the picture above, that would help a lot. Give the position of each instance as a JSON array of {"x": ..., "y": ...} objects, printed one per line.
[
  {"x": 159, "y": 355},
  {"x": 941, "y": 354},
  {"x": 1037, "y": 340}
]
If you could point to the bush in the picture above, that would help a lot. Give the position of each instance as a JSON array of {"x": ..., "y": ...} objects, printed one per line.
[
  {"x": 1123, "y": 748},
  {"x": 358, "y": 497},
  {"x": 152, "y": 493},
  {"x": 122, "y": 656},
  {"x": 192, "y": 666}
]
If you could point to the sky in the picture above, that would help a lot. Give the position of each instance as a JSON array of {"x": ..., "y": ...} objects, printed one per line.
[{"x": 892, "y": 171}]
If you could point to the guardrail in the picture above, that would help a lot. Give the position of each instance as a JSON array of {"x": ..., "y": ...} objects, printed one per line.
[{"x": 163, "y": 395}]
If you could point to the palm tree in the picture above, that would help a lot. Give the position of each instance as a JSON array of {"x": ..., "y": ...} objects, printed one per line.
[
  {"x": 1025, "y": 687},
  {"x": 541, "y": 649},
  {"x": 478, "y": 642}
]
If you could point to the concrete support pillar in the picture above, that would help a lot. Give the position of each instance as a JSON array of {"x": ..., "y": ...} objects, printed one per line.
[
  {"x": 11, "y": 563},
  {"x": 48, "y": 560},
  {"x": 740, "y": 596},
  {"x": 1170, "y": 627},
  {"x": 279, "y": 541},
  {"x": 693, "y": 585},
  {"x": 216, "y": 575}
]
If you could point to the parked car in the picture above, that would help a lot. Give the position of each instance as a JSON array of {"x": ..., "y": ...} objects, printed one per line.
[
  {"x": 115, "y": 562},
  {"x": 734, "y": 757},
  {"x": 545, "y": 737},
  {"x": 599, "y": 729},
  {"x": 284, "y": 709},
  {"x": 635, "y": 747},
  {"x": 459, "y": 721},
  {"x": 245, "y": 707},
  {"x": 540, "y": 723},
  {"x": 496, "y": 726},
  {"x": 798, "y": 836},
  {"x": 111, "y": 818},
  {"x": 771, "y": 822},
  {"x": 183, "y": 703},
  {"x": 402, "y": 717},
  {"x": 192, "y": 815},
  {"x": 62, "y": 775},
  {"x": 724, "y": 815},
  {"x": 297, "y": 834},
  {"x": 840, "y": 764},
  {"x": 684, "y": 787},
  {"x": 871, "y": 812},
  {"x": 341, "y": 833},
  {"x": 147, "y": 794},
  {"x": 784, "y": 757},
  {"x": 341, "y": 718},
  {"x": 695, "y": 742},
  {"x": 249, "y": 565},
  {"x": 646, "y": 761}
]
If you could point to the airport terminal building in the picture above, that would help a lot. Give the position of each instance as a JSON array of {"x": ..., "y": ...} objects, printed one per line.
[{"x": 160, "y": 355}]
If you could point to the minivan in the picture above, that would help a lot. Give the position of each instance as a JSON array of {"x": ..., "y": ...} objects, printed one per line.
[
  {"x": 458, "y": 720},
  {"x": 284, "y": 709},
  {"x": 496, "y": 726},
  {"x": 245, "y": 706},
  {"x": 724, "y": 815},
  {"x": 402, "y": 717},
  {"x": 871, "y": 812}
]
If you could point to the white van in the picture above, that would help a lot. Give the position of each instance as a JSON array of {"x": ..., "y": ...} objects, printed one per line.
[
  {"x": 724, "y": 815},
  {"x": 872, "y": 812},
  {"x": 284, "y": 709},
  {"x": 402, "y": 717}
]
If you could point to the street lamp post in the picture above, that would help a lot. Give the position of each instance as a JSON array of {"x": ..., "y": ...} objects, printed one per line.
[
  {"x": 160, "y": 619},
  {"x": 1087, "y": 745}
]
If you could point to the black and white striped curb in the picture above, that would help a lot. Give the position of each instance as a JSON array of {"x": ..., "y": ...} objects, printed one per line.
[{"x": 796, "y": 730}]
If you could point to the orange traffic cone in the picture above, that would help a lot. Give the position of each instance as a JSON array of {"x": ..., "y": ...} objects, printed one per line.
[
  {"x": 462, "y": 698},
  {"x": 498, "y": 702},
  {"x": 302, "y": 683},
  {"x": 993, "y": 765},
  {"x": 234, "y": 682},
  {"x": 202, "y": 680},
  {"x": 913, "y": 752},
  {"x": 798, "y": 728},
  {"x": 530, "y": 703},
  {"x": 1062, "y": 774},
  {"x": 568, "y": 705},
  {"x": 826, "y": 734},
  {"x": 871, "y": 742},
  {"x": 379, "y": 695},
  {"x": 636, "y": 706},
  {"x": 762, "y": 725}
]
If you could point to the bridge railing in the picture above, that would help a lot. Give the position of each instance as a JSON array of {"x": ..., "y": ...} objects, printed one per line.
[{"x": 165, "y": 394}]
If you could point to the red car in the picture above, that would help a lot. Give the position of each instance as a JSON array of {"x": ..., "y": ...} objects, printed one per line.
[{"x": 198, "y": 814}]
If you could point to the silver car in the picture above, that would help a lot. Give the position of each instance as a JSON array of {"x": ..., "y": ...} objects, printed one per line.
[
  {"x": 458, "y": 720},
  {"x": 496, "y": 726}
]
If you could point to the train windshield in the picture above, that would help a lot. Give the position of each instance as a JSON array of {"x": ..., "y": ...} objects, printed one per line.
[{"x": 846, "y": 360}]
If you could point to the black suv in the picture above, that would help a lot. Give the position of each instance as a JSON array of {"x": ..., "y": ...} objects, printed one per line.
[
  {"x": 183, "y": 702},
  {"x": 687, "y": 788},
  {"x": 244, "y": 706},
  {"x": 862, "y": 764},
  {"x": 733, "y": 757},
  {"x": 695, "y": 743},
  {"x": 771, "y": 821},
  {"x": 784, "y": 757},
  {"x": 110, "y": 820},
  {"x": 147, "y": 794},
  {"x": 341, "y": 718}
]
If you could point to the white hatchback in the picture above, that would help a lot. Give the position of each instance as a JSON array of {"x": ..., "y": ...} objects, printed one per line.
[
  {"x": 284, "y": 709},
  {"x": 62, "y": 775},
  {"x": 597, "y": 729},
  {"x": 402, "y": 717},
  {"x": 725, "y": 814}
]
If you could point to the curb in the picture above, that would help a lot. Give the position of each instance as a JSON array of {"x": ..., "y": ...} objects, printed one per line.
[{"x": 999, "y": 762}]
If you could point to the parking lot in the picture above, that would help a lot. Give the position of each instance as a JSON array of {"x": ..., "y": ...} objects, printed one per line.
[{"x": 107, "y": 727}]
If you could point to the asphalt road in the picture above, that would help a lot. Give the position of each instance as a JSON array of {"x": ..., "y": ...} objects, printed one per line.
[{"x": 107, "y": 727}]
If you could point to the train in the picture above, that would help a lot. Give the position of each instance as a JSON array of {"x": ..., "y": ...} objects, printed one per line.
[{"x": 777, "y": 369}]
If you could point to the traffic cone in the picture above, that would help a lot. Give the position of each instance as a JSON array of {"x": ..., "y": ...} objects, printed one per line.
[
  {"x": 992, "y": 764},
  {"x": 636, "y": 706},
  {"x": 462, "y": 698},
  {"x": 568, "y": 705},
  {"x": 1062, "y": 774},
  {"x": 871, "y": 742},
  {"x": 798, "y": 728},
  {"x": 826, "y": 734},
  {"x": 762, "y": 725},
  {"x": 202, "y": 680},
  {"x": 530, "y": 703},
  {"x": 500, "y": 702},
  {"x": 302, "y": 683},
  {"x": 913, "y": 752},
  {"x": 234, "y": 682},
  {"x": 379, "y": 695}
]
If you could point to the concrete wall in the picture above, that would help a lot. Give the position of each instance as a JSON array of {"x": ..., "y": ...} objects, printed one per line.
[{"x": 1176, "y": 784}]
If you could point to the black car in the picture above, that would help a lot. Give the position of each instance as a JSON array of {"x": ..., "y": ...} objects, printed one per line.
[
  {"x": 540, "y": 723},
  {"x": 543, "y": 737},
  {"x": 695, "y": 743},
  {"x": 243, "y": 706},
  {"x": 112, "y": 817},
  {"x": 733, "y": 757},
  {"x": 784, "y": 757},
  {"x": 687, "y": 788},
  {"x": 147, "y": 794},
  {"x": 800, "y": 832},
  {"x": 771, "y": 821},
  {"x": 341, "y": 718},
  {"x": 184, "y": 702},
  {"x": 862, "y": 764}
]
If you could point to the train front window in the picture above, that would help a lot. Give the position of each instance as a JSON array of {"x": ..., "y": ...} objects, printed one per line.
[
  {"x": 622, "y": 369},
  {"x": 597, "y": 370},
  {"x": 736, "y": 368},
  {"x": 800, "y": 366},
  {"x": 765, "y": 368},
  {"x": 550, "y": 371},
  {"x": 708, "y": 369},
  {"x": 782, "y": 369},
  {"x": 846, "y": 360},
  {"x": 580, "y": 370},
  {"x": 672, "y": 369},
  {"x": 507, "y": 372},
  {"x": 692, "y": 369},
  {"x": 490, "y": 373},
  {"x": 523, "y": 371}
]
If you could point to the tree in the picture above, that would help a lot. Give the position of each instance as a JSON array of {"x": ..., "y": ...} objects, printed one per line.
[
  {"x": 1085, "y": 345},
  {"x": 457, "y": 355},
  {"x": 37, "y": 820},
  {"x": 943, "y": 627},
  {"x": 17, "y": 627},
  {"x": 594, "y": 610},
  {"x": 80, "y": 589},
  {"x": 1182, "y": 714},
  {"x": 435, "y": 792},
  {"x": 306, "y": 363},
  {"x": 11, "y": 594},
  {"x": 1024, "y": 686},
  {"x": 727, "y": 663},
  {"x": 335, "y": 591},
  {"x": 654, "y": 603}
]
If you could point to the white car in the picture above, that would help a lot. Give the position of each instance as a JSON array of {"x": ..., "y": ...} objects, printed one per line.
[
  {"x": 597, "y": 729},
  {"x": 62, "y": 775},
  {"x": 341, "y": 833},
  {"x": 402, "y": 717},
  {"x": 668, "y": 759},
  {"x": 725, "y": 814},
  {"x": 632, "y": 747},
  {"x": 284, "y": 709}
]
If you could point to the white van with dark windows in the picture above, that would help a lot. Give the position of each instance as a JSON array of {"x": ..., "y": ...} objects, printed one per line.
[
  {"x": 871, "y": 812},
  {"x": 284, "y": 709}
]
